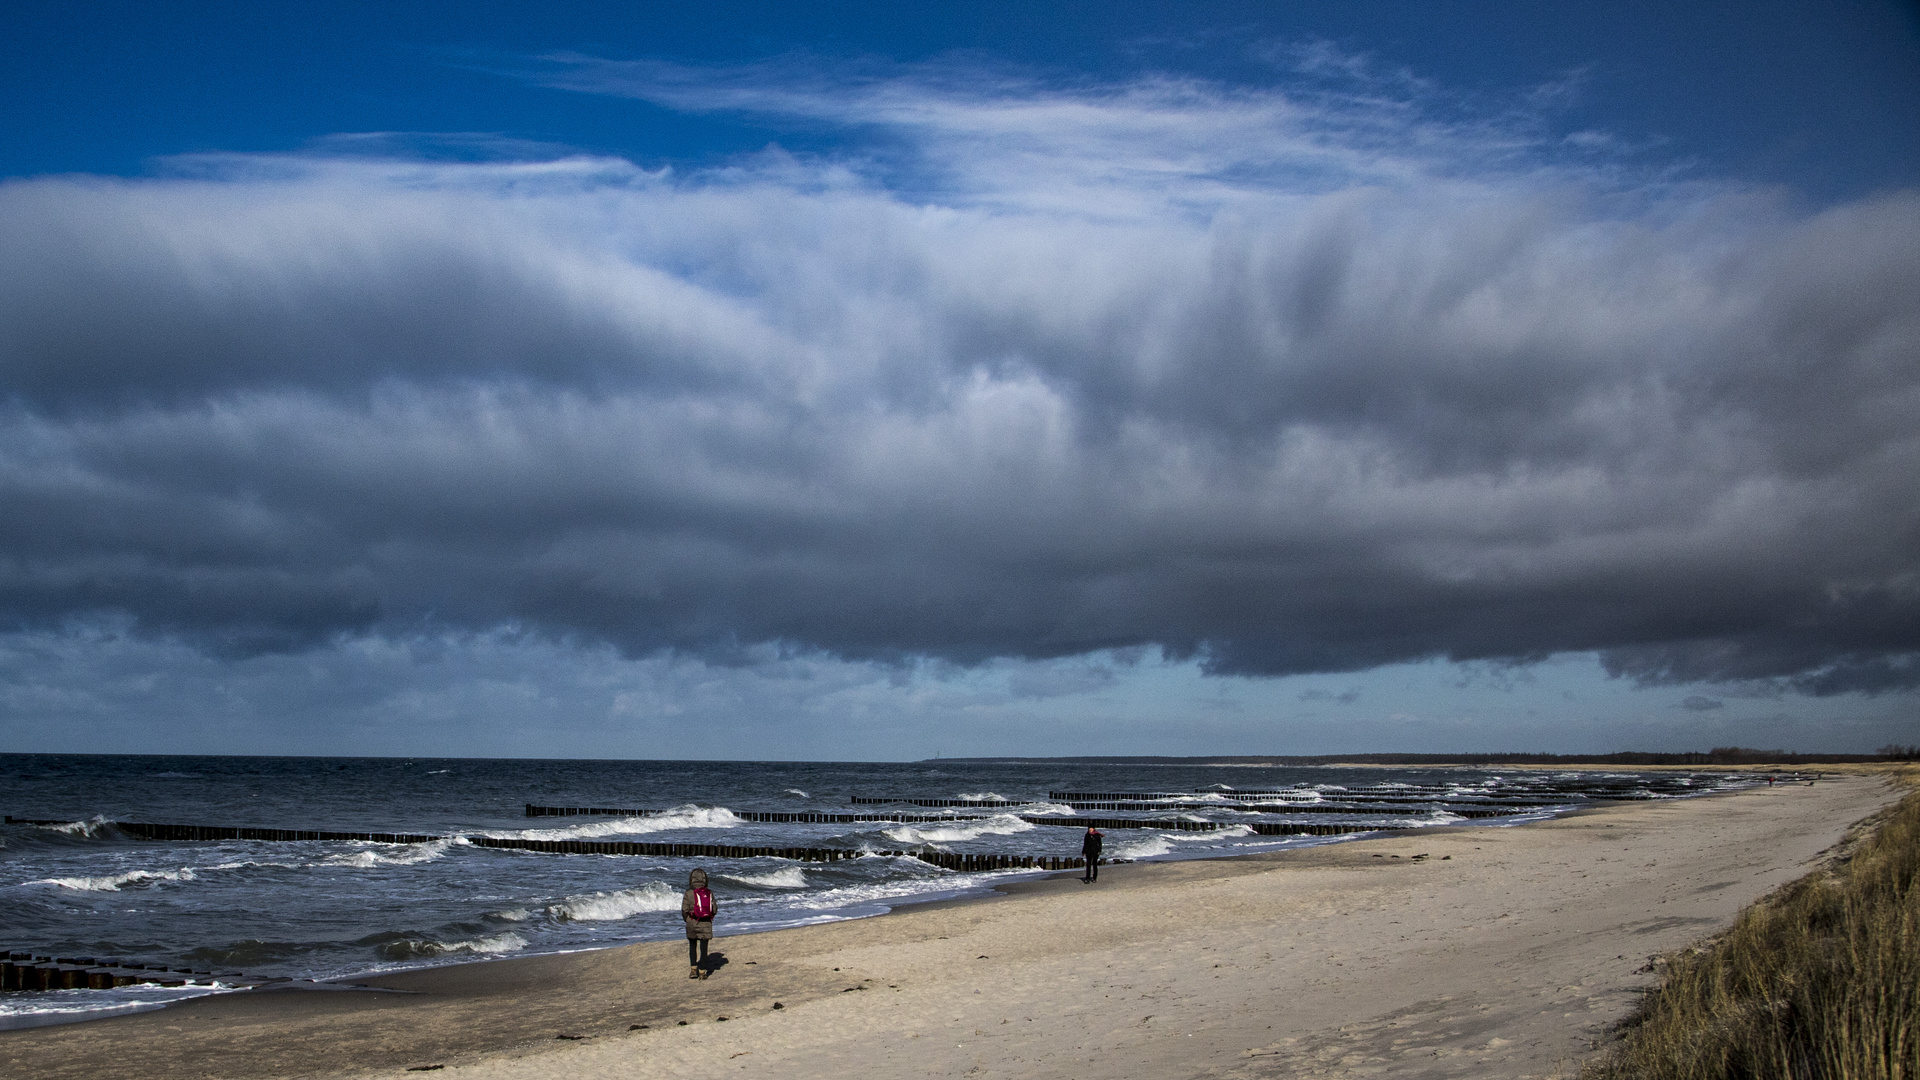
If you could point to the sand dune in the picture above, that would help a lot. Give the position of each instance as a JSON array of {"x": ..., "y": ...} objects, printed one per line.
[{"x": 1505, "y": 952}]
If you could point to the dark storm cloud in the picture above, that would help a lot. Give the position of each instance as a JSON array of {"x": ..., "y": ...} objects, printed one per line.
[{"x": 1089, "y": 403}]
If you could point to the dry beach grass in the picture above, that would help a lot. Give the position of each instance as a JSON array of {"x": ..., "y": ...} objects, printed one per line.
[
  {"x": 1460, "y": 952},
  {"x": 1821, "y": 979}
]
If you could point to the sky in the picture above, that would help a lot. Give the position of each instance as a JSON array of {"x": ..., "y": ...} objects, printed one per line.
[{"x": 877, "y": 381}]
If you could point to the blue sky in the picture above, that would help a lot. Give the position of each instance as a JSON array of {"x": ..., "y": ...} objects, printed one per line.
[
  {"x": 1816, "y": 95},
  {"x": 875, "y": 381}
]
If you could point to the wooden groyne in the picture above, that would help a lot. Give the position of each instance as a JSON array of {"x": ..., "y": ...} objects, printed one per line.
[
  {"x": 588, "y": 811},
  {"x": 773, "y": 817},
  {"x": 1262, "y": 828},
  {"x": 1295, "y": 828},
  {"x": 808, "y": 817},
  {"x": 1299, "y": 808},
  {"x": 801, "y": 817},
  {"x": 943, "y": 859},
  {"x": 27, "y": 971},
  {"x": 1166, "y": 798},
  {"x": 978, "y": 804},
  {"x": 1170, "y": 825},
  {"x": 143, "y": 830},
  {"x": 146, "y": 831}
]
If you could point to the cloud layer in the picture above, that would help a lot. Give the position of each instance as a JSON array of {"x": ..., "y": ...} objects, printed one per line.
[{"x": 1107, "y": 379}]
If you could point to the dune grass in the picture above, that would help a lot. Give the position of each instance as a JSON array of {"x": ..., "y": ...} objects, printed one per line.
[{"x": 1819, "y": 981}]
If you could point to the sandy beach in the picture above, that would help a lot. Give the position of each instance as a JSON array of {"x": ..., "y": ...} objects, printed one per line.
[{"x": 1483, "y": 952}]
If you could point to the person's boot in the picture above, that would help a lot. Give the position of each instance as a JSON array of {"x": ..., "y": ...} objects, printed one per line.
[{"x": 693, "y": 972}]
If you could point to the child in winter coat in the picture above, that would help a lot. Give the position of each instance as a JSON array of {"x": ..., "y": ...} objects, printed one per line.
[{"x": 697, "y": 906}]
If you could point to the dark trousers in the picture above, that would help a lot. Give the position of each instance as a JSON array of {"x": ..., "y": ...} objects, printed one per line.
[
  {"x": 1093, "y": 868},
  {"x": 696, "y": 951}
]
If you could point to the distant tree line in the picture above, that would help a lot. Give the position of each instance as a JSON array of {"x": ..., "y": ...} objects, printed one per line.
[{"x": 1719, "y": 755}]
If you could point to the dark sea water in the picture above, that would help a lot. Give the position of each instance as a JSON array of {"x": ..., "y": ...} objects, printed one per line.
[{"x": 336, "y": 909}]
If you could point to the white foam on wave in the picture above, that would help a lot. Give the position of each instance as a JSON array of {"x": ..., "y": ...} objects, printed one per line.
[
  {"x": 1144, "y": 848},
  {"x": 681, "y": 817},
  {"x": 854, "y": 896},
  {"x": 66, "y": 1006},
  {"x": 89, "y": 827},
  {"x": 1049, "y": 809},
  {"x": 115, "y": 882},
  {"x": 390, "y": 855},
  {"x": 997, "y": 825},
  {"x": 253, "y": 864},
  {"x": 787, "y": 877},
  {"x": 981, "y": 796},
  {"x": 796, "y": 791},
  {"x": 490, "y": 945},
  {"x": 620, "y": 904}
]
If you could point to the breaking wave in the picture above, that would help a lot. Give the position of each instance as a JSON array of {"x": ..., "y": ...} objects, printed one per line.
[
  {"x": 114, "y": 882},
  {"x": 787, "y": 877},
  {"x": 997, "y": 825},
  {"x": 391, "y": 855},
  {"x": 607, "y": 906},
  {"x": 90, "y": 827},
  {"x": 680, "y": 817},
  {"x": 1144, "y": 848},
  {"x": 415, "y": 948}
]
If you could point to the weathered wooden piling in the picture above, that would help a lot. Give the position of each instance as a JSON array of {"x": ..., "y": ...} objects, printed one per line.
[
  {"x": 23, "y": 971},
  {"x": 1294, "y": 808},
  {"x": 1537, "y": 798},
  {"x": 763, "y": 817},
  {"x": 871, "y": 800}
]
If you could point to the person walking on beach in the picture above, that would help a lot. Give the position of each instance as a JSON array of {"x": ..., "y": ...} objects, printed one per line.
[
  {"x": 1090, "y": 847},
  {"x": 697, "y": 906}
]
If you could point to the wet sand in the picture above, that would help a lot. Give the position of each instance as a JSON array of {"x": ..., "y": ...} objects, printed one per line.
[{"x": 1505, "y": 952}]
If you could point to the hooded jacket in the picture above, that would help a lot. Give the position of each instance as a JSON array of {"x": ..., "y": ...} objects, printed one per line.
[{"x": 697, "y": 929}]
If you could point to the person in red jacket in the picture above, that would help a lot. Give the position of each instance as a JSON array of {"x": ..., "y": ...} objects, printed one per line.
[{"x": 697, "y": 907}]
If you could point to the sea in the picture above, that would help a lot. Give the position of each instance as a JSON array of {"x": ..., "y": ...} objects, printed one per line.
[{"x": 72, "y": 883}]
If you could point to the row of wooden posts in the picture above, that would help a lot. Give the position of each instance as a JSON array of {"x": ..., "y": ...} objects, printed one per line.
[
  {"x": 982, "y": 804},
  {"x": 1263, "y": 828},
  {"x": 943, "y": 859},
  {"x": 27, "y": 971},
  {"x": 1542, "y": 797},
  {"x": 1290, "y": 808}
]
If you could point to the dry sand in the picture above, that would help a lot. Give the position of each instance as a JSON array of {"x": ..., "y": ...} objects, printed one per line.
[{"x": 1506, "y": 952}]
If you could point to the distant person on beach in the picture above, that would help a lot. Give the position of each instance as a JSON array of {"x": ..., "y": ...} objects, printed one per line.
[
  {"x": 697, "y": 906},
  {"x": 1090, "y": 847}
]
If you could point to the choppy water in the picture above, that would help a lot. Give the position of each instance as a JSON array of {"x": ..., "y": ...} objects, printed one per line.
[{"x": 336, "y": 909}]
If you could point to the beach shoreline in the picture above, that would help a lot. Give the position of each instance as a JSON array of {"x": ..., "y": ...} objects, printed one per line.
[{"x": 1358, "y": 939}]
